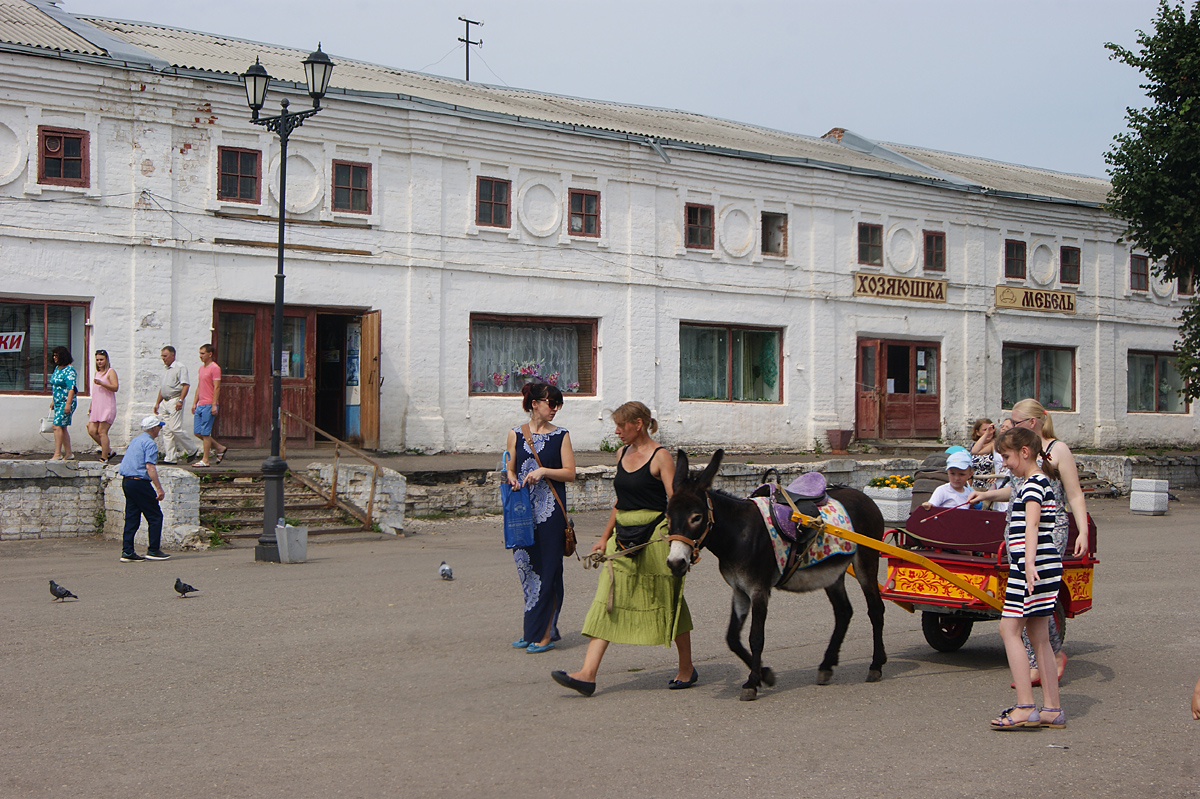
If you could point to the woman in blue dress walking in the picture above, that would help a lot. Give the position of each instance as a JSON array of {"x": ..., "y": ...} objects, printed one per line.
[
  {"x": 62, "y": 402},
  {"x": 540, "y": 566}
]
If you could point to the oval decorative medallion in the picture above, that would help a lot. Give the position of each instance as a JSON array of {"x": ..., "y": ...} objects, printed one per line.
[
  {"x": 539, "y": 208},
  {"x": 902, "y": 249},
  {"x": 737, "y": 232},
  {"x": 1041, "y": 265},
  {"x": 305, "y": 188}
]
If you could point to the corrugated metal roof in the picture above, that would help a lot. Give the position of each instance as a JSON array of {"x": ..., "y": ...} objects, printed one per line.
[
  {"x": 1011, "y": 177},
  {"x": 21, "y": 23}
]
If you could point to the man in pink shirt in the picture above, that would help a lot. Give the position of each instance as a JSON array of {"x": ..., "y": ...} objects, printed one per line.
[{"x": 206, "y": 405}]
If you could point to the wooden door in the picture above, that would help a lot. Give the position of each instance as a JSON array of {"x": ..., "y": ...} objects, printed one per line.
[
  {"x": 910, "y": 405},
  {"x": 866, "y": 411},
  {"x": 371, "y": 381},
  {"x": 244, "y": 350}
]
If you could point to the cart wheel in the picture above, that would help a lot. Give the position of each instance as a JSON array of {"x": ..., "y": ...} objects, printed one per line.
[{"x": 945, "y": 633}]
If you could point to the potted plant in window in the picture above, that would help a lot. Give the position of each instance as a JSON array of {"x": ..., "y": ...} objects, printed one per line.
[{"x": 893, "y": 496}]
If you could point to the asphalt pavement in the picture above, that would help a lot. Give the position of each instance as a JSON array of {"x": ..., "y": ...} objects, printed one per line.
[{"x": 361, "y": 673}]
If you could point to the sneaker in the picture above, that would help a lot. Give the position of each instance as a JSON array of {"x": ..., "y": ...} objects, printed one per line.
[
  {"x": 131, "y": 557},
  {"x": 156, "y": 554}
]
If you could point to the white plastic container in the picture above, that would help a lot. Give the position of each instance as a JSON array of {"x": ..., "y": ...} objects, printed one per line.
[{"x": 293, "y": 543}]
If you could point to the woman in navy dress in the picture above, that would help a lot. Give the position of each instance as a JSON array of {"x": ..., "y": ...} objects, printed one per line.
[{"x": 540, "y": 566}]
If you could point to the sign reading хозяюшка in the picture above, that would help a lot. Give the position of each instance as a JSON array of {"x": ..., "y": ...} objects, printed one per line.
[
  {"x": 11, "y": 342},
  {"x": 899, "y": 288}
]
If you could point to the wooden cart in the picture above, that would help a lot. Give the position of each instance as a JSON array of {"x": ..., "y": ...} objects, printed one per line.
[{"x": 969, "y": 544}]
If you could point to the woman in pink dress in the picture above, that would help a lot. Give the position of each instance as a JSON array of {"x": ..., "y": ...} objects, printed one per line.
[{"x": 103, "y": 409}]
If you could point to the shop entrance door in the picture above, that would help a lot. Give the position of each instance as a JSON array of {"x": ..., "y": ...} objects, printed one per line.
[
  {"x": 898, "y": 389},
  {"x": 347, "y": 380},
  {"x": 243, "y": 341}
]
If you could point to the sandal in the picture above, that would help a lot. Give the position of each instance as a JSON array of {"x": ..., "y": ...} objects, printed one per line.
[
  {"x": 221, "y": 455},
  {"x": 1007, "y": 722},
  {"x": 1058, "y": 722}
]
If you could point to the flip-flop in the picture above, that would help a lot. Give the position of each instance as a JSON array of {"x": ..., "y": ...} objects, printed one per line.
[{"x": 200, "y": 465}]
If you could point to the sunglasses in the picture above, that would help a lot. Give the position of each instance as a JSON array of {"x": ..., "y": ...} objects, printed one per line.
[
  {"x": 102, "y": 352},
  {"x": 551, "y": 405}
]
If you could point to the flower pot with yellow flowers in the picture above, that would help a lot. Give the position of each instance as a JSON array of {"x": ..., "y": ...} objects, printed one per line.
[{"x": 893, "y": 495}]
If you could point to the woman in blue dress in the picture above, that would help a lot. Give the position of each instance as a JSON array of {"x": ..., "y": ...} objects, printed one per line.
[
  {"x": 62, "y": 402},
  {"x": 540, "y": 566}
]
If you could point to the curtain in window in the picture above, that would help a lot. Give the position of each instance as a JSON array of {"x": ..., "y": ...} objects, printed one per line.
[
  {"x": 1141, "y": 382},
  {"x": 702, "y": 363},
  {"x": 755, "y": 366},
  {"x": 1056, "y": 379},
  {"x": 46, "y": 327},
  {"x": 1170, "y": 387},
  {"x": 1017, "y": 376},
  {"x": 506, "y": 356}
]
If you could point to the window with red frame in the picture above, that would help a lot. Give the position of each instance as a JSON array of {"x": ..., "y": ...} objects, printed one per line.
[
  {"x": 935, "y": 251},
  {"x": 352, "y": 187},
  {"x": 585, "y": 213},
  {"x": 238, "y": 174},
  {"x": 699, "y": 227},
  {"x": 1185, "y": 283},
  {"x": 1139, "y": 273},
  {"x": 1014, "y": 259},
  {"x": 492, "y": 204},
  {"x": 870, "y": 244},
  {"x": 63, "y": 157},
  {"x": 1068, "y": 265}
]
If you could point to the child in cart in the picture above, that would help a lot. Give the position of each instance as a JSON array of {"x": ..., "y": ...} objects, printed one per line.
[
  {"x": 1034, "y": 576},
  {"x": 955, "y": 493}
]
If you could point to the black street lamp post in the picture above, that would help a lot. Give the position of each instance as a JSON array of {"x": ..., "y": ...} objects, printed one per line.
[{"x": 317, "y": 70}]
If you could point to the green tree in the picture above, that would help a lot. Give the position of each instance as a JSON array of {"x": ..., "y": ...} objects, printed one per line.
[{"x": 1155, "y": 164}]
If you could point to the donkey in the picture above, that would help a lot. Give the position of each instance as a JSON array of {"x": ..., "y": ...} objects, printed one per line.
[{"x": 734, "y": 531}]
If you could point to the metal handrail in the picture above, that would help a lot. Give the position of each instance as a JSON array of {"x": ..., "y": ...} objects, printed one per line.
[{"x": 337, "y": 445}]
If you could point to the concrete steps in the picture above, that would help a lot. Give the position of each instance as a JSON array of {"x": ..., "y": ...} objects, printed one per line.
[{"x": 231, "y": 503}]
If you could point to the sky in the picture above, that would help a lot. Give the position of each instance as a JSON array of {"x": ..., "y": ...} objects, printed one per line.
[{"x": 1022, "y": 81}]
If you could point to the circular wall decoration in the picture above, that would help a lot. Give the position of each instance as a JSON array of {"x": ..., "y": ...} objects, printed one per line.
[
  {"x": 1041, "y": 265},
  {"x": 305, "y": 188},
  {"x": 1161, "y": 288},
  {"x": 12, "y": 155},
  {"x": 737, "y": 232},
  {"x": 902, "y": 249},
  {"x": 539, "y": 208}
]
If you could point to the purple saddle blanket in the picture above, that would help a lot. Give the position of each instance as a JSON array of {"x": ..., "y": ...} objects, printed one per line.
[{"x": 807, "y": 490}]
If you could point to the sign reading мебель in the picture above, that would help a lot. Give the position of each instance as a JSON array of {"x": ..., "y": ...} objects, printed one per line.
[
  {"x": 899, "y": 288},
  {"x": 1035, "y": 299},
  {"x": 11, "y": 342}
]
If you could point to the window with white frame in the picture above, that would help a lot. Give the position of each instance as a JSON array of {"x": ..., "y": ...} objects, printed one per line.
[
  {"x": 730, "y": 364},
  {"x": 1046, "y": 374},
  {"x": 1154, "y": 384},
  {"x": 29, "y": 331},
  {"x": 509, "y": 351}
]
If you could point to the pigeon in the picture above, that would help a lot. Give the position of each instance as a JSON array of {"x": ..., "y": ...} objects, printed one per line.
[
  {"x": 183, "y": 588},
  {"x": 60, "y": 592},
  {"x": 445, "y": 571}
]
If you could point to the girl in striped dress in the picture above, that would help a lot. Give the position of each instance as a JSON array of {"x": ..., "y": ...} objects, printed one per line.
[{"x": 1033, "y": 583}]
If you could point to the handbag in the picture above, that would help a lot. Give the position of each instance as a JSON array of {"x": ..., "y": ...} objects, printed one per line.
[
  {"x": 518, "y": 513},
  {"x": 569, "y": 540},
  {"x": 47, "y": 425},
  {"x": 629, "y": 537}
]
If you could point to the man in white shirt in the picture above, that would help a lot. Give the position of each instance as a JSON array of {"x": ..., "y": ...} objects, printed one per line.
[{"x": 172, "y": 391}]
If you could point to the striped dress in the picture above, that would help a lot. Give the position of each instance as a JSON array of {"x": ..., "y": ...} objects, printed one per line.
[{"x": 1047, "y": 560}]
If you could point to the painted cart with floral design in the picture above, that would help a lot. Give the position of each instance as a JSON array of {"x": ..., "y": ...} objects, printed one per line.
[{"x": 970, "y": 544}]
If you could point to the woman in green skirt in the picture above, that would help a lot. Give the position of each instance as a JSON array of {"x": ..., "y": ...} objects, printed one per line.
[{"x": 638, "y": 601}]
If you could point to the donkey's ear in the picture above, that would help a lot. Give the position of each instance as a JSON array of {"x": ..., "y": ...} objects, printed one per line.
[
  {"x": 681, "y": 470},
  {"x": 710, "y": 471}
]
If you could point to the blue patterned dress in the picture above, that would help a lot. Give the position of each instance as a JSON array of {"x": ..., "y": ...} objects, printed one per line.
[
  {"x": 540, "y": 566},
  {"x": 62, "y": 380}
]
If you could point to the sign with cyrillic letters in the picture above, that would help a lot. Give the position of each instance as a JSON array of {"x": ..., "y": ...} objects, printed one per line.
[
  {"x": 899, "y": 288},
  {"x": 1035, "y": 299},
  {"x": 11, "y": 342}
]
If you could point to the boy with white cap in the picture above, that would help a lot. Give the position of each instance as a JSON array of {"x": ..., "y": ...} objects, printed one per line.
[
  {"x": 953, "y": 494},
  {"x": 142, "y": 492}
]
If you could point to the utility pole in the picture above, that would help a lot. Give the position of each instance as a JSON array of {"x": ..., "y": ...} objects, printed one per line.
[{"x": 467, "y": 41}]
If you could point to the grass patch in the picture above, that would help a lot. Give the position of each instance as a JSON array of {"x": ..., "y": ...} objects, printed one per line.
[
  {"x": 215, "y": 539},
  {"x": 99, "y": 519}
]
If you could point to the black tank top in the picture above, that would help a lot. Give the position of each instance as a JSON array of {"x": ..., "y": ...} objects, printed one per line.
[{"x": 639, "y": 490}]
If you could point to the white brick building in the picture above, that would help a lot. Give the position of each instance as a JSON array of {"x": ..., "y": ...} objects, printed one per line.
[{"x": 755, "y": 288}]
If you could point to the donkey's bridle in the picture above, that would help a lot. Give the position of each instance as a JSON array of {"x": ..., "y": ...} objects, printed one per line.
[{"x": 697, "y": 542}]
